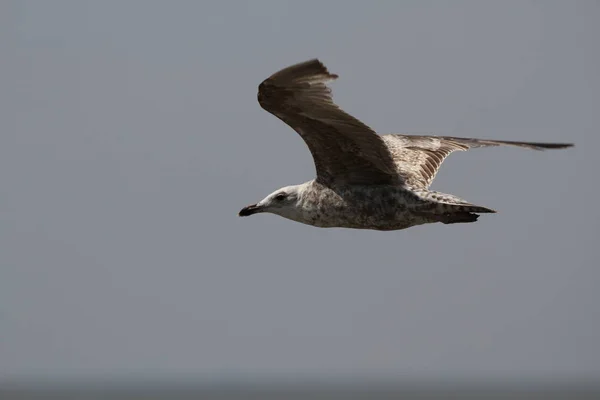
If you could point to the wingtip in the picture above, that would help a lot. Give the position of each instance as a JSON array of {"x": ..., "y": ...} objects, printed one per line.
[
  {"x": 309, "y": 69},
  {"x": 558, "y": 146},
  {"x": 324, "y": 68}
]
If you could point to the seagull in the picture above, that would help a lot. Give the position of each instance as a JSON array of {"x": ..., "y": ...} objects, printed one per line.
[{"x": 363, "y": 180}]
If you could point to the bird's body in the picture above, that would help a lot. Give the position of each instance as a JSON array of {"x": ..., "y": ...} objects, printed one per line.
[
  {"x": 379, "y": 207},
  {"x": 364, "y": 180}
]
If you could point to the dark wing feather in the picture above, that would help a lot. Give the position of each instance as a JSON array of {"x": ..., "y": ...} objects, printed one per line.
[
  {"x": 344, "y": 150},
  {"x": 418, "y": 158}
]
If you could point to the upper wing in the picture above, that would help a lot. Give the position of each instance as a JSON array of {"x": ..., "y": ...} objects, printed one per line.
[
  {"x": 418, "y": 158},
  {"x": 344, "y": 149}
]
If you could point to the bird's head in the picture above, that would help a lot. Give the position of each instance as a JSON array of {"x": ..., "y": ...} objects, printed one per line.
[{"x": 284, "y": 202}]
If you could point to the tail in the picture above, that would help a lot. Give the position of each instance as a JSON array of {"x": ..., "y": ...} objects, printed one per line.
[
  {"x": 458, "y": 214},
  {"x": 458, "y": 217},
  {"x": 449, "y": 209},
  {"x": 442, "y": 202}
]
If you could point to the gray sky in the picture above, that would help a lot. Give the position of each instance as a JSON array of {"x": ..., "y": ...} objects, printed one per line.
[{"x": 131, "y": 137}]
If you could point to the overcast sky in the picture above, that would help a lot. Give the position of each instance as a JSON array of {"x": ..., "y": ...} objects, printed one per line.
[{"x": 131, "y": 137}]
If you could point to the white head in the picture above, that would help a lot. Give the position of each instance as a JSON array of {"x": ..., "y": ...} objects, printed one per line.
[{"x": 285, "y": 202}]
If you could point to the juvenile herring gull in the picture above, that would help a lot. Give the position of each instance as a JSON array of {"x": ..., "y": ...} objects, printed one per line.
[{"x": 363, "y": 180}]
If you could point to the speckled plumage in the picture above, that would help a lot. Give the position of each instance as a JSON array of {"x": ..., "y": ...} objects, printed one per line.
[{"x": 364, "y": 180}]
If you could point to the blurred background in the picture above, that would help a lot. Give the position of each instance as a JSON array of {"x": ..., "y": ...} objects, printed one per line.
[{"x": 131, "y": 137}]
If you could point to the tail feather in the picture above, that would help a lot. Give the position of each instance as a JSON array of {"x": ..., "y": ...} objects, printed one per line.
[
  {"x": 472, "y": 208},
  {"x": 449, "y": 203},
  {"x": 448, "y": 209},
  {"x": 458, "y": 218}
]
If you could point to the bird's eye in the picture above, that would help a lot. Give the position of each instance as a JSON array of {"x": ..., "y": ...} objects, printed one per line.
[{"x": 280, "y": 196}]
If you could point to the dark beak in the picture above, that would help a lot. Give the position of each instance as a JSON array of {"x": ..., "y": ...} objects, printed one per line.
[{"x": 246, "y": 211}]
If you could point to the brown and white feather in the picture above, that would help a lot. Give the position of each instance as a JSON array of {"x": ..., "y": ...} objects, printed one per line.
[
  {"x": 418, "y": 158},
  {"x": 364, "y": 180},
  {"x": 345, "y": 151}
]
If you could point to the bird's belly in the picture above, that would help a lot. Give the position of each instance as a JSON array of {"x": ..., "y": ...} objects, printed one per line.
[{"x": 357, "y": 218}]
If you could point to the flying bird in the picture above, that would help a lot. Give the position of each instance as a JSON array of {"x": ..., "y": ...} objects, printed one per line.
[{"x": 363, "y": 180}]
